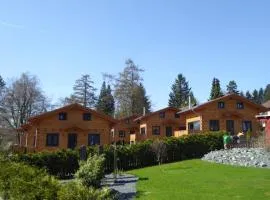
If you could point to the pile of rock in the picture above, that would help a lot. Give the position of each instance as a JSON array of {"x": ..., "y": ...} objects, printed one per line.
[{"x": 248, "y": 157}]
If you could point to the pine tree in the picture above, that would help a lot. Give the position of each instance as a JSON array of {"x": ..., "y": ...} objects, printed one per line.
[
  {"x": 242, "y": 94},
  {"x": 255, "y": 96},
  {"x": 193, "y": 100},
  {"x": 105, "y": 101},
  {"x": 248, "y": 95},
  {"x": 261, "y": 96},
  {"x": 215, "y": 90},
  {"x": 2, "y": 83},
  {"x": 232, "y": 87},
  {"x": 179, "y": 95},
  {"x": 84, "y": 92},
  {"x": 142, "y": 100},
  {"x": 267, "y": 93}
]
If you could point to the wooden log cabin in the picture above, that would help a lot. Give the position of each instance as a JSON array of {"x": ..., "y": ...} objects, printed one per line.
[
  {"x": 124, "y": 132},
  {"x": 231, "y": 113},
  {"x": 67, "y": 127},
  {"x": 162, "y": 123}
]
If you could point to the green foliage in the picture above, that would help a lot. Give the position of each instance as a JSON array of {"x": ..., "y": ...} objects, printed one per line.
[
  {"x": 178, "y": 97},
  {"x": 62, "y": 164},
  {"x": 20, "y": 181},
  {"x": 232, "y": 87},
  {"x": 142, "y": 100},
  {"x": 215, "y": 90},
  {"x": 75, "y": 190},
  {"x": 248, "y": 95},
  {"x": 267, "y": 93},
  {"x": 65, "y": 163},
  {"x": 2, "y": 83},
  {"x": 91, "y": 171},
  {"x": 105, "y": 101}
]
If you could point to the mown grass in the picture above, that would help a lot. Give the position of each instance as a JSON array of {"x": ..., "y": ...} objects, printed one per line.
[{"x": 201, "y": 180}]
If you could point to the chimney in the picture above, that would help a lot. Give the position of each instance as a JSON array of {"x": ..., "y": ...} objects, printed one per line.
[{"x": 143, "y": 111}]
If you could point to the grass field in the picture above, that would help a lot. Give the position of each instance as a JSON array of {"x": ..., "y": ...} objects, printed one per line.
[{"x": 200, "y": 180}]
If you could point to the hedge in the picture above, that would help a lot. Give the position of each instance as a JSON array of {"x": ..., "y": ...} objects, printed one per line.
[{"x": 65, "y": 163}]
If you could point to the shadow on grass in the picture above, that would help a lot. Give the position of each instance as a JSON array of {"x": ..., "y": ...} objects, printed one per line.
[
  {"x": 143, "y": 178},
  {"x": 140, "y": 193}
]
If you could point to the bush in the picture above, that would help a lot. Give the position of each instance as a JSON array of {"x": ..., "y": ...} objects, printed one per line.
[
  {"x": 91, "y": 171},
  {"x": 75, "y": 190},
  {"x": 65, "y": 163},
  {"x": 62, "y": 164},
  {"x": 20, "y": 181}
]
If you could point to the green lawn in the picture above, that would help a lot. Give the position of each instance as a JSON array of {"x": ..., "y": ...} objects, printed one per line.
[{"x": 199, "y": 180}]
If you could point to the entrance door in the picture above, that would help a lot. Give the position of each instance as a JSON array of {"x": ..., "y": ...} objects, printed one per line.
[
  {"x": 230, "y": 127},
  {"x": 72, "y": 140},
  {"x": 168, "y": 131}
]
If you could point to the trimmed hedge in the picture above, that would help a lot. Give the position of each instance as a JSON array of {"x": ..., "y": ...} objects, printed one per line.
[
  {"x": 66, "y": 162},
  {"x": 62, "y": 164}
]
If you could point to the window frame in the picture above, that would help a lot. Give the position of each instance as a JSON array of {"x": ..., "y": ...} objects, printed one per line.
[
  {"x": 123, "y": 133},
  {"x": 143, "y": 132},
  {"x": 87, "y": 116},
  {"x": 221, "y": 103},
  {"x": 176, "y": 115},
  {"x": 62, "y": 116},
  {"x": 238, "y": 105},
  {"x": 93, "y": 134},
  {"x": 52, "y": 142},
  {"x": 216, "y": 126},
  {"x": 154, "y": 129},
  {"x": 162, "y": 115},
  {"x": 244, "y": 124}
]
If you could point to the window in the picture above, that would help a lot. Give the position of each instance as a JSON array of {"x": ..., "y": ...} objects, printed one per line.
[
  {"x": 176, "y": 115},
  {"x": 214, "y": 125},
  {"x": 162, "y": 115},
  {"x": 127, "y": 121},
  {"x": 62, "y": 116},
  {"x": 52, "y": 139},
  {"x": 168, "y": 131},
  {"x": 194, "y": 126},
  {"x": 240, "y": 105},
  {"x": 132, "y": 132},
  {"x": 155, "y": 130},
  {"x": 246, "y": 126},
  {"x": 93, "y": 139},
  {"x": 87, "y": 116},
  {"x": 142, "y": 131},
  {"x": 122, "y": 133},
  {"x": 221, "y": 105}
]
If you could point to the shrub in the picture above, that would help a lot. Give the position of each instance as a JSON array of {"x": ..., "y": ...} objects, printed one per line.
[
  {"x": 62, "y": 164},
  {"x": 20, "y": 181},
  {"x": 91, "y": 171},
  {"x": 75, "y": 190}
]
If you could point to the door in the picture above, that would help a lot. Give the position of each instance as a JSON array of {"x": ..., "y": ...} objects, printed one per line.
[
  {"x": 72, "y": 140},
  {"x": 93, "y": 139},
  {"x": 168, "y": 131},
  {"x": 230, "y": 127}
]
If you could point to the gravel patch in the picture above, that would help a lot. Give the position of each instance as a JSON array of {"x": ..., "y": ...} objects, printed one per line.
[
  {"x": 125, "y": 184},
  {"x": 247, "y": 157}
]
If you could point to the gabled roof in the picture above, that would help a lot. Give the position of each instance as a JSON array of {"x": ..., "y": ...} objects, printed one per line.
[
  {"x": 267, "y": 104},
  {"x": 156, "y": 112},
  {"x": 72, "y": 106},
  {"x": 225, "y": 97},
  {"x": 129, "y": 117}
]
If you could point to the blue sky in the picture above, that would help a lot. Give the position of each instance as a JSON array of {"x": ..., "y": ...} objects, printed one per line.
[{"x": 60, "y": 40}]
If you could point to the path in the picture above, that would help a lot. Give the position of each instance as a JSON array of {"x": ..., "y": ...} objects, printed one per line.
[{"x": 125, "y": 184}]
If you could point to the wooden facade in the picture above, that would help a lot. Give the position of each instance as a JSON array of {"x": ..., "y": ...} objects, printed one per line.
[
  {"x": 68, "y": 127},
  {"x": 125, "y": 130},
  {"x": 74, "y": 125},
  {"x": 231, "y": 113},
  {"x": 162, "y": 123}
]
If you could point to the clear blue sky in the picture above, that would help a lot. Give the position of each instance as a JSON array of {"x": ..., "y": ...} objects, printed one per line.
[{"x": 60, "y": 40}]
